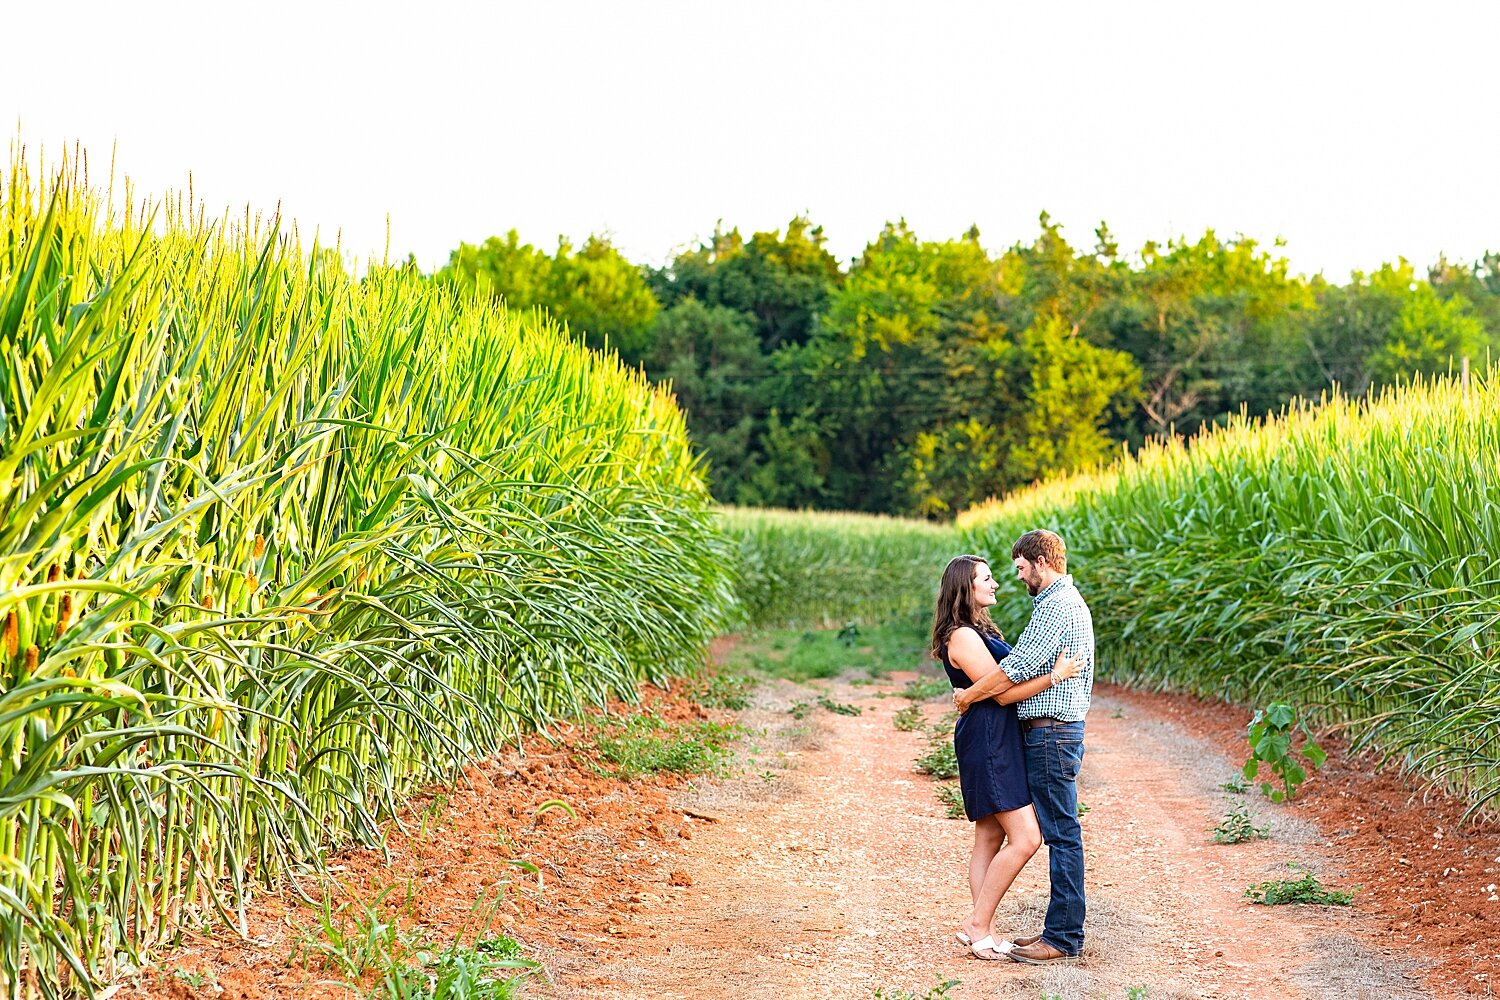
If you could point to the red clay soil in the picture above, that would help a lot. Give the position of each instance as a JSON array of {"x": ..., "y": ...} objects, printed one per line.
[
  {"x": 1430, "y": 882},
  {"x": 846, "y": 877},
  {"x": 588, "y": 868}
]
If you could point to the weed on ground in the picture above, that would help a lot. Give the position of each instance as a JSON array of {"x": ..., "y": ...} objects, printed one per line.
[{"x": 646, "y": 744}]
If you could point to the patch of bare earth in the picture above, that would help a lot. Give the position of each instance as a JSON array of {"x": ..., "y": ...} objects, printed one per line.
[{"x": 826, "y": 868}]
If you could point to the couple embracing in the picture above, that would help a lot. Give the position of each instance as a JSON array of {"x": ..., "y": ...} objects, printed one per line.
[{"x": 1019, "y": 739}]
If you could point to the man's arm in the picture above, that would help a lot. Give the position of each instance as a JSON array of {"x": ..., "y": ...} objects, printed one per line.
[{"x": 1033, "y": 655}]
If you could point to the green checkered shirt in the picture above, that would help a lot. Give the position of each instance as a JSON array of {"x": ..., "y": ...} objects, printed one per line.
[{"x": 1059, "y": 619}]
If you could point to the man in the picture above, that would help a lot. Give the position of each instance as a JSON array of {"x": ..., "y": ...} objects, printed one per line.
[{"x": 1052, "y": 726}]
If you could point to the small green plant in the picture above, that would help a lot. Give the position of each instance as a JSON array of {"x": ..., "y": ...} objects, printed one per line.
[
  {"x": 939, "y": 760},
  {"x": 926, "y": 688},
  {"x": 1235, "y": 786},
  {"x": 646, "y": 744},
  {"x": 1237, "y": 828},
  {"x": 1118, "y": 713},
  {"x": 489, "y": 968},
  {"x": 849, "y": 634},
  {"x": 352, "y": 938},
  {"x": 938, "y": 992},
  {"x": 1083, "y": 810},
  {"x": 908, "y": 719},
  {"x": 197, "y": 978},
  {"x": 723, "y": 691},
  {"x": 1306, "y": 889},
  {"x": 1270, "y": 734},
  {"x": 803, "y": 709},
  {"x": 1137, "y": 992},
  {"x": 952, "y": 798}
]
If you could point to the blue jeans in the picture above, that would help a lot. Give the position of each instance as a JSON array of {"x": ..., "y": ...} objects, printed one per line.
[{"x": 1053, "y": 756}]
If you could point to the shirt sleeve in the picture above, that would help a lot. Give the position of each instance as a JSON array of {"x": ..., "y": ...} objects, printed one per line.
[{"x": 1038, "y": 645}]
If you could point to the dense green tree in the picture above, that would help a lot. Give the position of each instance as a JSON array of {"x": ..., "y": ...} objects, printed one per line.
[
  {"x": 782, "y": 281},
  {"x": 932, "y": 374},
  {"x": 711, "y": 358},
  {"x": 602, "y": 297},
  {"x": 1387, "y": 325}
]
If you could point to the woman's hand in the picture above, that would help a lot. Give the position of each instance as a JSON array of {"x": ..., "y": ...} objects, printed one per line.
[{"x": 1066, "y": 667}]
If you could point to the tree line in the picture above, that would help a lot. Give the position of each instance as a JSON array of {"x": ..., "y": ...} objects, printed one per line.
[{"x": 929, "y": 375}]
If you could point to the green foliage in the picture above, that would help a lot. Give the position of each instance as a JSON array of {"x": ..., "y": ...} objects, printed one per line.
[
  {"x": 952, "y": 798},
  {"x": 283, "y": 546},
  {"x": 646, "y": 744},
  {"x": 1306, "y": 889},
  {"x": 1270, "y": 734},
  {"x": 803, "y": 709},
  {"x": 803, "y": 655},
  {"x": 937, "y": 992},
  {"x": 829, "y": 569},
  {"x": 723, "y": 691},
  {"x": 908, "y": 719},
  {"x": 1339, "y": 557},
  {"x": 352, "y": 938},
  {"x": 927, "y": 688},
  {"x": 595, "y": 291},
  {"x": 1237, "y": 828},
  {"x": 940, "y": 760},
  {"x": 935, "y": 373},
  {"x": 492, "y": 968}
]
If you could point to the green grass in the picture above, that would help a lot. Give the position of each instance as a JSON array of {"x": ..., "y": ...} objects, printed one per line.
[
  {"x": 1306, "y": 889},
  {"x": 720, "y": 690},
  {"x": 491, "y": 968},
  {"x": 646, "y": 744},
  {"x": 808, "y": 654},
  {"x": 824, "y": 570}
]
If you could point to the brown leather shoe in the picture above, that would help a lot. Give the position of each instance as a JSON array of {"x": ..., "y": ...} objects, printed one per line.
[
  {"x": 1023, "y": 942},
  {"x": 1039, "y": 953}
]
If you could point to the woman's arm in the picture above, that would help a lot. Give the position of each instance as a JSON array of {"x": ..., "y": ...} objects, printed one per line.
[
  {"x": 1006, "y": 693},
  {"x": 1025, "y": 689},
  {"x": 967, "y": 652}
]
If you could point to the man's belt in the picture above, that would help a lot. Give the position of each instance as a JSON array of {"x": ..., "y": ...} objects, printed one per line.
[{"x": 1043, "y": 721}]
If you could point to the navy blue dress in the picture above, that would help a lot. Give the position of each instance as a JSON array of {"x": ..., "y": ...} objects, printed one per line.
[{"x": 987, "y": 741}]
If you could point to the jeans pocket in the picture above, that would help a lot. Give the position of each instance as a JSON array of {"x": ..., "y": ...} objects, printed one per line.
[{"x": 1070, "y": 758}]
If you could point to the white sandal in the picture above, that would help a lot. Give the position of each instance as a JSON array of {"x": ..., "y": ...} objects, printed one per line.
[{"x": 1000, "y": 949}]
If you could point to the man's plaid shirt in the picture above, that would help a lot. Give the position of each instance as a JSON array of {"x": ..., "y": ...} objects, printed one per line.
[{"x": 1059, "y": 619}]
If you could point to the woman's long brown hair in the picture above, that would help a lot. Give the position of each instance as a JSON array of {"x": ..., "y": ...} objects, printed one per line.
[{"x": 955, "y": 603}]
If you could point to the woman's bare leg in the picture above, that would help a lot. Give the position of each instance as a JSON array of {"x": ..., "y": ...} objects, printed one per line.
[
  {"x": 1023, "y": 838},
  {"x": 988, "y": 836}
]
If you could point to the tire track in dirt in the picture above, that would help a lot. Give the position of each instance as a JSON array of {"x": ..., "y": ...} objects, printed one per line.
[{"x": 850, "y": 879}]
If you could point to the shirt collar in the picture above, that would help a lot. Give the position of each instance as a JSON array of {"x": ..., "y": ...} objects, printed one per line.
[{"x": 1061, "y": 583}]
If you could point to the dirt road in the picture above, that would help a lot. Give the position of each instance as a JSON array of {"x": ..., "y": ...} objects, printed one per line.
[{"x": 839, "y": 875}]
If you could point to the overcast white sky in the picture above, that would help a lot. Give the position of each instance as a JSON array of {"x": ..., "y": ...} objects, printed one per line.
[{"x": 1357, "y": 131}]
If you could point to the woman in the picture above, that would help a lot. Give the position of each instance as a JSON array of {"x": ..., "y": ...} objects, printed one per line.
[{"x": 987, "y": 741}]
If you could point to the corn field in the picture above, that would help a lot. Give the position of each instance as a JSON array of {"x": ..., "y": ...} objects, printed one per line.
[
  {"x": 278, "y": 544},
  {"x": 819, "y": 569},
  {"x": 1344, "y": 556}
]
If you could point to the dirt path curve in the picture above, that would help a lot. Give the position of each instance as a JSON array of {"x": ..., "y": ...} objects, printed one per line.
[{"x": 850, "y": 879}]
